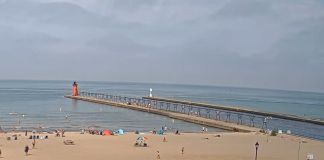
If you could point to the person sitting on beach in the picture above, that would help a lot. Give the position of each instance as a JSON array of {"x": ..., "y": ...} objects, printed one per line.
[
  {"x": 177, "y": 132},
  {"x": 164, "y": 139},
  {"x": 57, "y": 134},
  {"x": 136, "y": 143},
  {"x": 182, "y": 150},
  {"x": 154, "y": 131},
  {"x": 158, "y": 156},
  {"x": 141, "y": 144}
]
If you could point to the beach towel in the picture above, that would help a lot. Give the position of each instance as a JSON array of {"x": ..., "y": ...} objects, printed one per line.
[{"x": 120, "y": 131}]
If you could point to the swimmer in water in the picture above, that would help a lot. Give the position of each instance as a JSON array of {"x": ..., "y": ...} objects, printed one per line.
[
  {"x": 23, "y": 115},
  {"x": 66, "y": 117},
  {"x": 13, "y": 112},
  {"x": 69, "y": 120},
  {"x": 19, "y": 121},
  {"x": 100, "y": 109}
]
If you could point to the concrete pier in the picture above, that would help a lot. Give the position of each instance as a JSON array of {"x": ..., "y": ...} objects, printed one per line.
[
  {"x": 174, "y": 115},
  {"x": 215, "y": 106}
]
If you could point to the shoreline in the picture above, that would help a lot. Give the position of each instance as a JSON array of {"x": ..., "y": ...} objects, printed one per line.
[{"x": 168, "y": 132}]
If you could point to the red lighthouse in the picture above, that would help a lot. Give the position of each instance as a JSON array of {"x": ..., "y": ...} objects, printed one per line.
[{"x": 75, "y": 89}]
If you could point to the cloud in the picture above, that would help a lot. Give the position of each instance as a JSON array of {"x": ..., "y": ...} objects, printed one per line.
[
  {"x": 245, "y": 8},
  {"x": 248, "y": 43}
]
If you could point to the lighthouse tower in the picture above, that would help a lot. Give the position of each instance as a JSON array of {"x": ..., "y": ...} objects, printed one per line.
[
  {"x": 151, "y": 90},
  {"x": 75, "y": 89}
]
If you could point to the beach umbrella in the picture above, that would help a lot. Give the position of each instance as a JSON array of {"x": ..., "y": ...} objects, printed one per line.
[{"x": 142, "y": 138}]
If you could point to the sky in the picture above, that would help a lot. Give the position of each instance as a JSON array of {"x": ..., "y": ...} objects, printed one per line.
[{"x": 277, "y": 44}]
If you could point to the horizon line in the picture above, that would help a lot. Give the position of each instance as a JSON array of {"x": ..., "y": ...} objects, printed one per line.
[{"x": 188, "y": 84}]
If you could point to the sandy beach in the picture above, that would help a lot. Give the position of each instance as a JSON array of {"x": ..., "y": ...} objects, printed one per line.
[{"x": 229, "y": 146}]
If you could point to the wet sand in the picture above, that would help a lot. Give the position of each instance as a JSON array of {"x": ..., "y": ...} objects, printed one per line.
[{"x": 230, "y": 146}]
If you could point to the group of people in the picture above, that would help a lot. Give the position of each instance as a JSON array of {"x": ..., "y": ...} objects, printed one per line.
[{"x": 140, "y": 144}]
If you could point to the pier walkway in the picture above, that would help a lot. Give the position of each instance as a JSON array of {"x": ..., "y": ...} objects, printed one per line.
[
  {"x": 211, "y": 122},
  {"x": 242, "y": 110}
]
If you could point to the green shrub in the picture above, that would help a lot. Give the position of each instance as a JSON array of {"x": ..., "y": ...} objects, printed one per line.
[
  {"x": 274, "y": 132},
  {"x": 263, "y": 131}
]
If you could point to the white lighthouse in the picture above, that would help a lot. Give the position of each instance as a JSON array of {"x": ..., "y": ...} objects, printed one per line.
[{"x": 151, "y": 90}]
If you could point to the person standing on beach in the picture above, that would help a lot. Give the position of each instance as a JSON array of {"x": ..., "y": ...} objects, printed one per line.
[
  {"x": 264, "y": 123},
  {"x": 0, "y": 153},
  {"x": 34, "y": 144},
  {"x": 203, "y": 129},
  {"x": 158, "y": 156},
  {"x": 182, "y": 150},
  {"x": 84, "y": 129},
  {"x": 25, "y": 135},
  {"x": 26, "y": 150},
  {"x": 13, "y": 128}
]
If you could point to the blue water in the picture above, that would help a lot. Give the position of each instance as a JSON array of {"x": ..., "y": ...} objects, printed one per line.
[{"x": 40, "y": 102}]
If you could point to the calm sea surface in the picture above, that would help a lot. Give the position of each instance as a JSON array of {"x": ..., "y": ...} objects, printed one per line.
[{"x": 41, "y": 101}]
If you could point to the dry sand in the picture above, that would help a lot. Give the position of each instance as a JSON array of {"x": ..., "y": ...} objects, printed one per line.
[{"x": 230, "y": 146}]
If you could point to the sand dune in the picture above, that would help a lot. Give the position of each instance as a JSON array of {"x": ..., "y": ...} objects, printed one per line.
[{"x": 230, "y": 146}]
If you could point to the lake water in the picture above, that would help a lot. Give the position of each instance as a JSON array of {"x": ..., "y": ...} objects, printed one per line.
[{"x": 40, "y": 101}]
